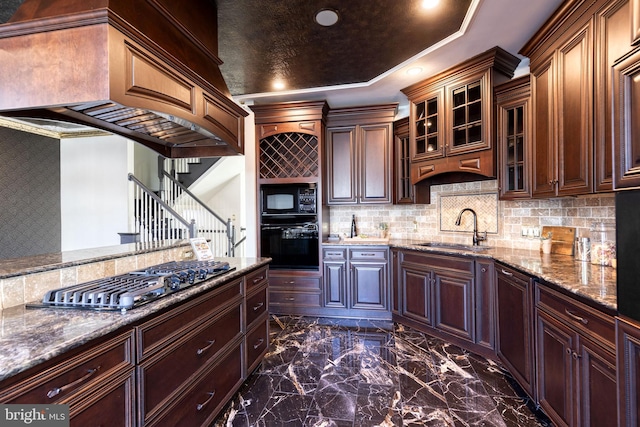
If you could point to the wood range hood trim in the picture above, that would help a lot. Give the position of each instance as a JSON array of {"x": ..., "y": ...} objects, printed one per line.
[{"x": 134, "y": 68}]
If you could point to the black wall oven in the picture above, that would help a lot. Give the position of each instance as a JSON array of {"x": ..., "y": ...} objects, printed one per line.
[
  {"x": 290, "y": 244},
  {"x": 289, "y": 226}
]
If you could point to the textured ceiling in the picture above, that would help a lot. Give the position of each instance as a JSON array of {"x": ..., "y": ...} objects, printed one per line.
[
  {"x": 260, "y": 41},
  {"x": 363, "y": 58}
]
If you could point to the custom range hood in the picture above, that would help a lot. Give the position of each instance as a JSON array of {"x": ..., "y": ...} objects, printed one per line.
[{"x": 144, "y": 69}]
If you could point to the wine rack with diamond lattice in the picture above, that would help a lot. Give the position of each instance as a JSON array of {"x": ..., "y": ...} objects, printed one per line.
[{"x": 289, "y": 155}]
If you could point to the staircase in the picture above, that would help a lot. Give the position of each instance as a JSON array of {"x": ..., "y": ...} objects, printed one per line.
[{"x": 175, "y": 213}]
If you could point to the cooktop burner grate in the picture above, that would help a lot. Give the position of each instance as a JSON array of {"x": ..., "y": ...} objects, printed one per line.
[{"x": 133, "y": 289}]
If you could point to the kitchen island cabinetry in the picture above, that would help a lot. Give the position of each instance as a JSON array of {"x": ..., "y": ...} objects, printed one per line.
[
  {"x": 514, "y": 325},
  {"x": 452, "y": 117},
  {"x": 359, "y": 155},
  {"x": 356, "y": 281},
  {"x": 97, "y": 381},
  {"x": 576, "y": 363},
  {"x": 163, "y": 363}
]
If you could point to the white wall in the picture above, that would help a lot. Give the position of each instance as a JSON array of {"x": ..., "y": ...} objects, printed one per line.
[
  {"x": 94, "y": 190},
  {"x": 249, "y": 200}
]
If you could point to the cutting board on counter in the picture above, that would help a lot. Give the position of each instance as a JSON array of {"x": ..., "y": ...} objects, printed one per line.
[{"x": 562, "y": 239}]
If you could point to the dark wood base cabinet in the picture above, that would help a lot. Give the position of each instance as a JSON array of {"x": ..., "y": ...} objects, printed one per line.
[
  {"x": 356, "y": 281},
  {"x": 445, "y": 295},
  {"x": 514, "y": 325},
  {"x": 178, "y": 367},
  {"x": 576, "y": 362},
  {"x": 628, "y": 350}
]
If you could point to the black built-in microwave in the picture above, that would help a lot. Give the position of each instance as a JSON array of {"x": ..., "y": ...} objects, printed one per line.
[{"x": 288, "y": 199}]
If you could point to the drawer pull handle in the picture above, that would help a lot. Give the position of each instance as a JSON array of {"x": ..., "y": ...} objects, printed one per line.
[
  {"x": 506, "y": 273},
  {"x": 575, "y": 317},
  {"x": 258, "y": 279},
  {"x": 367, "y": 254},
  {"x": 290, "y": 282},
  {"x": 258, "y": 343},
  {"x": 201, "y": 406},
  {"x": 57, "y": 390},
  {"x": 203, "y": 349},
  {"x": 289, "y": 299},
  {"x": 258, "y": 306}
]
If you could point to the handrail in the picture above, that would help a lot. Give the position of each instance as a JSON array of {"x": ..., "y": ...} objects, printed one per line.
[
  {"x": 193, "y": 196},
  {"x": 189, "y": 224}
]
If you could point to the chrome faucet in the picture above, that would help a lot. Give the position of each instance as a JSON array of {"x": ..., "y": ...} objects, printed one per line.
[{"x": 476, "y": 237}]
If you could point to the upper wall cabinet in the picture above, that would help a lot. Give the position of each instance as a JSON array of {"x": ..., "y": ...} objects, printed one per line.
[
  {"x": 452, "y": 116},
  {"x": 571, "y": 58},
  {"x": 289, "y": 136},
  {"x": 359, "y": 155},
  {"x": 513, "y": 100}
]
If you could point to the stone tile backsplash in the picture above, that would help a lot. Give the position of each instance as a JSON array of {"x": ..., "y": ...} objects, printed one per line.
[{"x": 432, "y": 222}]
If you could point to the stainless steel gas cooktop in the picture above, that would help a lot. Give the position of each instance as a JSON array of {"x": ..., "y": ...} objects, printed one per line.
[{"x": 133, "y": 289}]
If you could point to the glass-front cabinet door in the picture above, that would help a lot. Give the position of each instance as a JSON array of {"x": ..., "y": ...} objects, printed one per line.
[
  {"x": 466, "y": 122},
  {"x": 428, "y": 127},
  {"x": 514, "y": 135},
  {"x": 467, "y": 115},
  {"x": 514, "y": 140}
]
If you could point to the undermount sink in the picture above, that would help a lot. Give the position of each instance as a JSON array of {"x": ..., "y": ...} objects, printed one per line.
[{"x": 457, "y": 246}]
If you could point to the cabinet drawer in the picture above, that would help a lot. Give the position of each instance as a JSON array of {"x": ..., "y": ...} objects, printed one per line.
[
  {"x": 291, "y": 282},
  {"x": 299, "y": 299},
  {"x": 257, "y": 278},
  {"x": 200, "y": 404},
  {"x": 257, "y": 344},
  {"x": 334, "y": 253},
  {"x": 365, "y": 254},
  {"x": 440, "y": 262},
  {"x": 162, "y": 375},
  {"x": 76, "y": 374},
  {"x": 159, "y": 332},
  {"x": 111, "y": 400},
  {"x": 256, "y": 305},
  {"x": 590, "y": 322}
]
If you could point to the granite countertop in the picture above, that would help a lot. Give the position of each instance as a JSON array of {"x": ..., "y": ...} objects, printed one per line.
[
  {"x": 592, "y": 282},
  {"x": 29, "y": 337},
  {"x": 55, "y": 261}
]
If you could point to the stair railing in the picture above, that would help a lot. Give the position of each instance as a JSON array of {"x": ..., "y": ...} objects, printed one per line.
[
  {"x": 220, "y": 233},
  {"x": 154, "y": 220}
]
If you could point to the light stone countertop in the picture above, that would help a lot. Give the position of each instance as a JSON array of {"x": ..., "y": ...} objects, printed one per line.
[
  {"x": 594, "y": 283},
  {"x": 30, "y": 336}
]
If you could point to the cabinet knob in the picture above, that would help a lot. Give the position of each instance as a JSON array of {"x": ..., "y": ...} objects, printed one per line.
[{"x": 483, "y": 269}]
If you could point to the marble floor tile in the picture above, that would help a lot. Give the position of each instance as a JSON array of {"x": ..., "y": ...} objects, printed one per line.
[{"x": 356, "y": 373}]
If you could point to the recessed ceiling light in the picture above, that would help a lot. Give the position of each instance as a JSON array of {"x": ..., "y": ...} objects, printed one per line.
[
  {"x": 327, "y": 17},
  {"x": 430, "y": 4},
  {"x": 278, "y": 85},
  {"x": 414, "y": 70}
]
